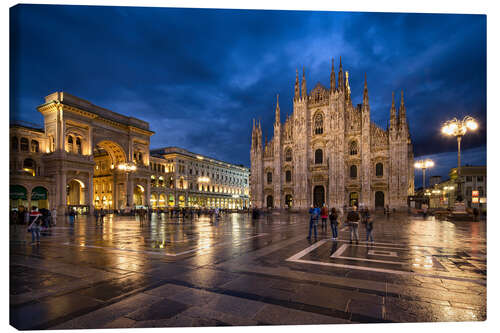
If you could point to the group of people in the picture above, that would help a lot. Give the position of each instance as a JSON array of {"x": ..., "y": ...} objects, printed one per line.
[
  {"x": 35, "y": 219},
  {"x": 353, "y": 218}
]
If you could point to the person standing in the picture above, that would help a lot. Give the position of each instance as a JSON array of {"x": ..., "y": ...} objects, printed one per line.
[
  {"x": 365, "y": 219},
  {"x": 369, "y": 230},
  {"x": 312, "y": 222},
  {"x": 334, "y": 222},
  {"x": 353, "y": 220},
  {"x": 34, "y": 227},
  {"x": 101, "y": 216},
  {"x": 324, "y": 216}
]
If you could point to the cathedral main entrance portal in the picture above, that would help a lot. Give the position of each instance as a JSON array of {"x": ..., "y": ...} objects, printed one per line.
[{"x": 319, "y": 196}]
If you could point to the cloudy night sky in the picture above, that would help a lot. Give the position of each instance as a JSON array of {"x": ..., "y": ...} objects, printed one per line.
[{"x": 200, "y": 76}]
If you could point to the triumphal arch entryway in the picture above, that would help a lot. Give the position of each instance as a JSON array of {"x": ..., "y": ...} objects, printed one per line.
[{"x": 97, "y": 157}]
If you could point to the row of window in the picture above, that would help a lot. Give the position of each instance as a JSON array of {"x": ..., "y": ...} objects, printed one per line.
[
  {"x": 24, "y": 144},
  {"x": 478, "y": 178},
  {"x": 353, "y": 173}
]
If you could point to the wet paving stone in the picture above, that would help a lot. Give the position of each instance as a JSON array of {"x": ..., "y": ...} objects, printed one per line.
[{"x": 175, "y": 273}]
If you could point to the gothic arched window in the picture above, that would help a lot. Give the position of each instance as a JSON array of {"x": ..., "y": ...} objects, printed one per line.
[
  {"x": 288, "y": 155},
  {"x": 35, "y": 146},
  {"x": 318, "y": 123},
  {"x": 379, "y": 169},
  {"x": 269, "y": 177},
  {"x": 70, "y": 143},
  {"x": 288, "y": 176},
  {"x": 353, "y": 148},
  {"x": 318, "y": 156},
  {"x": 353, "y": 172}
]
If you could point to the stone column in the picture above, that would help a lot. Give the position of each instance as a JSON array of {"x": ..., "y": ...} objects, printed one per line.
[
  {"x": 130, "y": 190},
  {"x": 61, "y": 193},
  {"x": 90, "y": 188},
  {"x": 148, "y": 191}
]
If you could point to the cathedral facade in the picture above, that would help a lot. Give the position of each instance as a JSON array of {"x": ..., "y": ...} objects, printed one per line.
[{"x": 329, "y": 151}]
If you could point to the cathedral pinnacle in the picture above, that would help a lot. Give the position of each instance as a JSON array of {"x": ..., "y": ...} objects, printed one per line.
[
  {"x": 402, "y": 110},
  {"x": 297, "y": 92},
  {"x": 365, "y": 93},
  {"x": 393, "y": 113},
  {"x": 277, "y": 109}
]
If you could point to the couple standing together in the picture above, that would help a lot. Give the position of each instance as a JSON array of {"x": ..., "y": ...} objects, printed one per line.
[{"x": 352, "y": 220}]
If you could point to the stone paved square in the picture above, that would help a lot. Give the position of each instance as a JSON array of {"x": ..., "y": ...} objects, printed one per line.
[{"x": 239, "y": 271}]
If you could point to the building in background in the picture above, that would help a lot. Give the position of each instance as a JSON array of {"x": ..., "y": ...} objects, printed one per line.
[
  {"x": 433, "y": 180},
  {"x": 329, "y": 151},
  {"x": 87, "y": 157},
  {"x": 185, "y": 179}
]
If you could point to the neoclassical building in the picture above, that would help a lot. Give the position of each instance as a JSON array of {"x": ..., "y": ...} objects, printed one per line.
[
  {"x": 329, "y": 151},
  {"x": 79, "y": 160}
]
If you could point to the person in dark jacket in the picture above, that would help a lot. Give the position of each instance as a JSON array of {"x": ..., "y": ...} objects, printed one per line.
[
  {"x": 368, "y": 223},
  {"x": 313, "y": 219},
  {"x": 353, "y": 220},
  {"x": 334, "y": 222}
]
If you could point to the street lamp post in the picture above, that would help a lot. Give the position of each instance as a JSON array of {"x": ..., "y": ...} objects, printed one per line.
[
  {"x": 127, "y": 167},
  {"x": 458, "y": 128},
  {"x": 424, "y": 164}
]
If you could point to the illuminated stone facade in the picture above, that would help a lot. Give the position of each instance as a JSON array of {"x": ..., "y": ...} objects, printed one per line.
[
  {"x": 329, "y": 151},
  {"x": 74, "y": 161},
  {"x": 185, "y": 179}
]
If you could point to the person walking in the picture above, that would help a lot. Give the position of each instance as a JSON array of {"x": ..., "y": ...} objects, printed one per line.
[
  {"x": 34, "y": 227},
  {"x": 365, "y": 219},
  {"x": 334, "y": 223},
  {"x": 101, "y": 216},
  {"x": 313, "y": 217},
  {"x": 324, "y": 216},
  {"x": 353, "y": 220}
]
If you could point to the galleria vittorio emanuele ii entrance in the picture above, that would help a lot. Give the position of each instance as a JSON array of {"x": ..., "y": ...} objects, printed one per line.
[{"x": 96, "y": 157}]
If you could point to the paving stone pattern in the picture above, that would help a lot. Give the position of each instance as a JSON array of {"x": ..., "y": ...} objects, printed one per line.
[{"x": 238, "y": 271}]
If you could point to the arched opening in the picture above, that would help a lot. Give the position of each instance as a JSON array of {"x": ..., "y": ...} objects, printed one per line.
[
  {"x": 29, "y": 166},
  {"x": 171, "y": 200},
  {"x": 108, "y": 156},
  {"x": 269, "y": 177},
  {"x": 379, "y": 199},
  {"x": 353, "y": 171},
  {"x": 182, "y": 201},
  {"x": 18, "y": 197},
  {"x": 78, "y": 145},
  {"x": 288, "y": 176},
  {"x": 75, "y": 191},
  {"x": 318, "y": 156},
  {"x": 379, "y": 170},
  {"x": 353, "y": 148},
  {"x": 288, "y": 155},
  {"x": 353, "y": 199},
  {"x": 162, "y": 202},
  {"x": 139, "y": 195},
  {"x": 318, "y": 196},
  {"x": 318, "y": 123},
  {"x": 288, "y": 200},
  {"x": 269, "y": 201},
  {"x": 39, "y": 197}
]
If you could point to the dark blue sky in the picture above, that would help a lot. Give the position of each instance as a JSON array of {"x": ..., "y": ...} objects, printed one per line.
[{"x": 199, "y": 76}]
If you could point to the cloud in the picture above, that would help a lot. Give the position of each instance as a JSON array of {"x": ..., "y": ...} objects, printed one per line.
[{"x": 199, "y": 76}]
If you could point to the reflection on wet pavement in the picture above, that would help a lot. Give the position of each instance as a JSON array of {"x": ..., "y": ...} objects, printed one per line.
[{"x": 239, "y": 271}]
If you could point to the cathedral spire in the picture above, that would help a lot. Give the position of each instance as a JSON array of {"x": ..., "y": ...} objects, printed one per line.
[
  {"x": 332, "y": 78},
  {"x": 402, "y": 110},
  {"x": 365, "y": 93},
  {"x": 341, "y": 76},
  {"x": 304, "y": 87},
  {"x": 297, "y": 91},
  {"x": 393, "y": 113},
  {"x": 277, "y": 108}
]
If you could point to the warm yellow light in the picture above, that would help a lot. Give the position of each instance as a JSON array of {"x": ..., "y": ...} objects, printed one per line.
[{"x": 471, "y": 124}]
